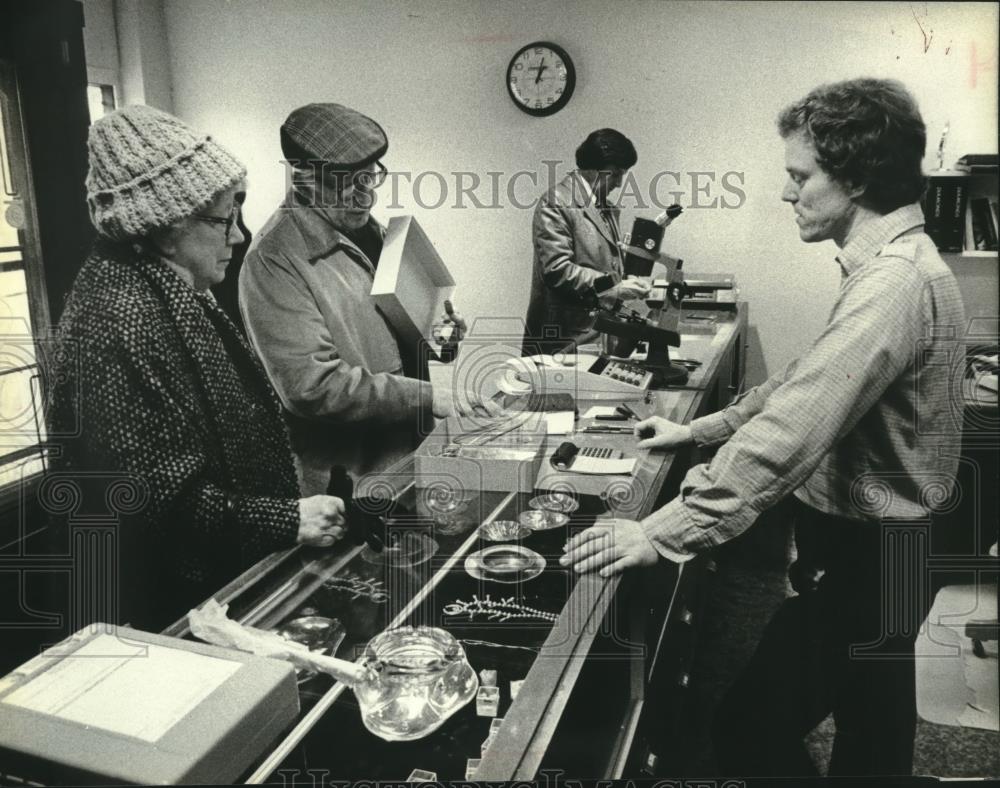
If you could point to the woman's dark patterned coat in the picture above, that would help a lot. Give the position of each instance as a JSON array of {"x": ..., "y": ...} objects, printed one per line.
[{"x": 154, "y": 384}]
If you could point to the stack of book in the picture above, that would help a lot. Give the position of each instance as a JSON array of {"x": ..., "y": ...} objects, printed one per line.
[
  {"x": 960, "y": 206},
  {"x": 978, "y": 164},
  {"x": 944, "y": 209}
]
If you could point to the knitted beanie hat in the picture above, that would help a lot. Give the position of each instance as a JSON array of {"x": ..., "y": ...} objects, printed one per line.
[{"x": 149, "y": 169}]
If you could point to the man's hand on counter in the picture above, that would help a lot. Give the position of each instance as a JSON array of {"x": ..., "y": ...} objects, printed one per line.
[
  {"x": 611, "y": 546},
  {"x": 321, "y": 520},
  {"x": 657, "y": 432}
]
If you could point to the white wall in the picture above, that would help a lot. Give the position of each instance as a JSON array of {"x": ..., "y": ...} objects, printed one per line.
[{"x": 695, "y": 85}]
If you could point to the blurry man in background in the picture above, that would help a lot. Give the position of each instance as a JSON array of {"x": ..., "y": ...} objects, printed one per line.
[{"x": 576, "y": 235}]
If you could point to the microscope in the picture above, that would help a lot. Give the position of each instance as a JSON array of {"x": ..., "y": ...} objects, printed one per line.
[{"x": 659, "y": 328}]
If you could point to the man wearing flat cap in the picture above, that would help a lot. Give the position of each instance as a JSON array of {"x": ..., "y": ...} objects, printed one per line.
[{"x": 354, "y": 391}]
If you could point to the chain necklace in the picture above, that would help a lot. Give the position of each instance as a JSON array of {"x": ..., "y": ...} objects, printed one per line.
[{"x": 503, "y": 609}]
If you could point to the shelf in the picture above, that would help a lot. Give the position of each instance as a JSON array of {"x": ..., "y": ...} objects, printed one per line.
[{"x": 974, "y": 254}]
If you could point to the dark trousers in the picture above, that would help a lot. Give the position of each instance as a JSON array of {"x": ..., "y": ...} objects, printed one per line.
[{"x": 844, "y": 645}]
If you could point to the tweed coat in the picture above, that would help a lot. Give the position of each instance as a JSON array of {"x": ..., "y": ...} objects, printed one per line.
[
  {"x": 154, "y": 383},
  {"x": 572, "y": 248}
]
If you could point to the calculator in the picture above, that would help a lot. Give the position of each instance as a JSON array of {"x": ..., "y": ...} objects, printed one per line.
[{"x": 600, "y": 453}]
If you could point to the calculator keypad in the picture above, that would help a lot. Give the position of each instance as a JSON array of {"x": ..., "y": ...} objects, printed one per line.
[{"x": 626, "y": 373}]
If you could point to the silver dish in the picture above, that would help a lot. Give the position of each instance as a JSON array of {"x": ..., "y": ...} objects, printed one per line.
[
  {"x": 555, "y": 502},
  {"x": 505, "y": 564},
  {"x": 504, "y": 531},
  {"x": 542, "y": 519}
]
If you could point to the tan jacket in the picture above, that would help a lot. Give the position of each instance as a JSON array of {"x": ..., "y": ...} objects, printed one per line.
[
  {"x": 331, "y": 354},
  {"x": 573, "y": 247}
]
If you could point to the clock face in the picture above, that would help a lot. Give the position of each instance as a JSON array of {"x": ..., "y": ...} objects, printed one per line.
[{"x": 541, "y": 78}]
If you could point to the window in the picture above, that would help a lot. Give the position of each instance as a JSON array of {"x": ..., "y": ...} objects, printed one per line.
[
  {"x": 23, "y": 312},
  {"x": 100, "y": 99}
]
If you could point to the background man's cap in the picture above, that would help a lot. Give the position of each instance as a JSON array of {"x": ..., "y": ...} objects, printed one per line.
[{"x": 332, "y": 133}]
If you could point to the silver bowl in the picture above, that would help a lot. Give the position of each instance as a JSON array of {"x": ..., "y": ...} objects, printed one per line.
[
  {"x": 542, "y": 519},
  {"x": 503, "y": 531},
  {"x": 555, "y": 502}
]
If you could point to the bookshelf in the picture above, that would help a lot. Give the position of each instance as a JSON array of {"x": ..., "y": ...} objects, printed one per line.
[{"x": 977, "y": 271}]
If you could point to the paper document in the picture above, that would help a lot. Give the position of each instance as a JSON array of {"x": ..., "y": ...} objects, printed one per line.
[
  {"x": 602, "y": 465},
  {"x": 560, "y": 422}
]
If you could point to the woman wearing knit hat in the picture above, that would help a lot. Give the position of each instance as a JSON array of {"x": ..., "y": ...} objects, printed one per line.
[{"x": 156, "y": 386}]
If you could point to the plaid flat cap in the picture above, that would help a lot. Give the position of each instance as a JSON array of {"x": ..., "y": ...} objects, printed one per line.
[{"x": 332, "y": 133}]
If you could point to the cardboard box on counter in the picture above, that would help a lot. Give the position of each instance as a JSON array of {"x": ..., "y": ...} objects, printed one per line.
[{"x": 503, "y": 456}]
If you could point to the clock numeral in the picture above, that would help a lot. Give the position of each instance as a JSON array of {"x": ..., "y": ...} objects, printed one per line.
[
  {"x": 539, "y": 51},
  {"x": 513, "y": 80},
  {"x": 562, "y": 77},
  {"x": 518, "y": 66},
  {"x": 538, "y": 104},
  {"x": 559, "y": 91},
  {"x": 549, "y": 100}
]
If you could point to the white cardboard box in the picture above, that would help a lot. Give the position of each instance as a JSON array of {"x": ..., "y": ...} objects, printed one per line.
[
  {"x": 117, "y": 705},
  {"x": 503, "y": 461},
  {"x": 411, "y": 281}
]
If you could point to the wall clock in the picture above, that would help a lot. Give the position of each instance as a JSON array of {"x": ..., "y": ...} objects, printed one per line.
[{"x": 541, "y": 78}]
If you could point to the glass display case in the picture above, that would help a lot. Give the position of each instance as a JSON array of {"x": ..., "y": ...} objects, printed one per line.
[{"x": 565, "y": 662}]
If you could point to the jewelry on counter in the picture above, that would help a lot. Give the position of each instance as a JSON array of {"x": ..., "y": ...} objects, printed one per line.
[
  {"x": 359, "y": 587},
  {"x": 503, "y": 609},
  {"x": 488, "y": 701},
  {"x": 487, "y": 678},
  {"x": 491, "y": 644}
]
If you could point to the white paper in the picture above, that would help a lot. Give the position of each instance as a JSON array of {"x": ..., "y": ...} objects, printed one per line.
[
  {"x": 134, "y": 689},
  {"x": 560, "y": 422},
  {"x": 600, "y": 410},
  {"x": 602, "y": 466}
]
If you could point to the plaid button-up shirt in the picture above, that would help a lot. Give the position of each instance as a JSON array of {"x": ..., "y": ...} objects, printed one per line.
[{"x": 866, "y": 425}]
